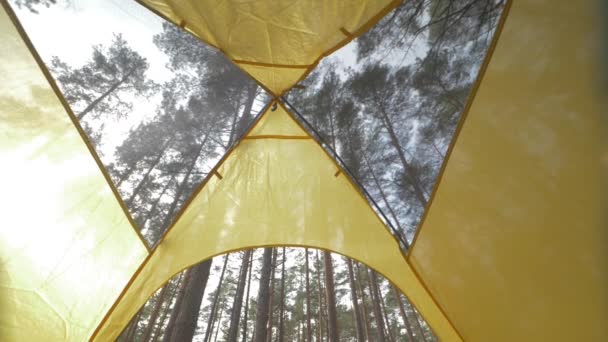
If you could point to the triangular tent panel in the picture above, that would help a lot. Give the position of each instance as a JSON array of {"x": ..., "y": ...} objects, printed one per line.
[
  {"x": 514, "y": 244},
  {"x": 66, "y": 246},
  {"x": 274, "y": 33},
  {"x": 275, "y": 79},
  {"x": 278, "y": 187}
]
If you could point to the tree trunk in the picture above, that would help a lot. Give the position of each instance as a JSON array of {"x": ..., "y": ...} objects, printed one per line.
[
  {"x": 367, "y": 326},
  {"x": 308, "y": 326},
  {"x": 282, "y": 307},
  {"x": 413, "y": 177},
  {"x": 386, "y": 318},
  {"x": 247, "y": 298},
  {"x": 95, "y": 102},
  {"x": 214, "y": 305},
  {"x": 330, "y": 295},
  {"x": 155, "y": 312},
  {"x": 176, "y": 308},
  {"x": 298, "y": 335},
  {"x": 182, "y": 187},
  {"x": 320, "y": 298},
  {"x": 125, "y": 176},
  {"x": 406, "y": 321},
  {"x": 156, "y": 201},
  {"x": 243, "y": 121},
  {"x": 382, "y": 194},
  {"x": 219, "y": 319},
  {"x": 159, "y": 331},
  {"x": 235, "y": 314},
  {"x": 418, "y": 325},
  {"x": 133, "y": 326},
  {"x": 270, "y": 301},
  {"x": 261, "y": 319},
  {"x": 144, "y": 180},
  {"x": 371, "y": 279},
  {"x": 191, "y": 304},
  {"x": 355, "y": 299}
]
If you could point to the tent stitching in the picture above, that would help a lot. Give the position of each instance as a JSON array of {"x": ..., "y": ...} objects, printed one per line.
[
  {"x": 272, "y": 65},
  {"x": 276, "y": 136}
]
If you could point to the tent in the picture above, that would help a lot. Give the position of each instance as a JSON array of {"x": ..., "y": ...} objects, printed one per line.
[{"x": 503, "y": 253}]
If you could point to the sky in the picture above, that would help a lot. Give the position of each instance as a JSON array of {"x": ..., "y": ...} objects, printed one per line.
[{"x": 69, "y": 30}]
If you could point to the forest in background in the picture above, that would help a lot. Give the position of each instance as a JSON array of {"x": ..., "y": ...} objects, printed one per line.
[
  {"x": 280, "y": 294},
  {"x": 390, "y": 116}
]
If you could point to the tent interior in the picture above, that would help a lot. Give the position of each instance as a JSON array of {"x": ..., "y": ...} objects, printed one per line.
[{"x": 359, "y": 170}]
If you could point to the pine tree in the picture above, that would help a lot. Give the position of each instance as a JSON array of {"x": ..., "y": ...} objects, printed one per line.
[
  {"x": 355, "y": 300},
  {"x": 176, "y": 307},
  {"x": 271, "y": 297},
  {"x": 215, "y": 302},
  {"x": 263, "y": 302},
  {"x": 282, "y": 298},
  {"x": 330, "y": 295},
  {"x": 98, "y": 85},
  {"x": 308, "y": 308},
  {"x": 245, "y": 320},
  {"x": 185, "y": 324},
  {"x": 235, "y": 312},
  {"x": 155, "y": 313}
]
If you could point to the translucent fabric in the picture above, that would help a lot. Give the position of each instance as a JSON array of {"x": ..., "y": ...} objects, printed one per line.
[
  {"x": 278, "y": 187},
  {"x": 514, "y": 244},
  {"x": 66, "y": 246},
  {"x": 285, "y": 37}
]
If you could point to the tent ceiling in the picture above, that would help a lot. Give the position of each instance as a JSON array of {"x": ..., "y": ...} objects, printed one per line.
[
  {"x": 276, "y": 42},
  {"x": 512, "y": 248},
  {"x": 277, "y": 187}
]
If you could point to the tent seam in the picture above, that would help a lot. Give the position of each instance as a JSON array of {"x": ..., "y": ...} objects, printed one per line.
[
  {"x": 277, "y": 136},
  {"x": 272, "y": 65}
]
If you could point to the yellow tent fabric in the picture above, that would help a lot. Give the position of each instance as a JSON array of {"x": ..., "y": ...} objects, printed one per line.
[
  {"x": 278, "y": 187},
  {"x": 514, "y": 244},
  {"x": 66, "y": 247},
  {"x": 512, "y": 247},
  {"x": 284, "y": 38}
]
